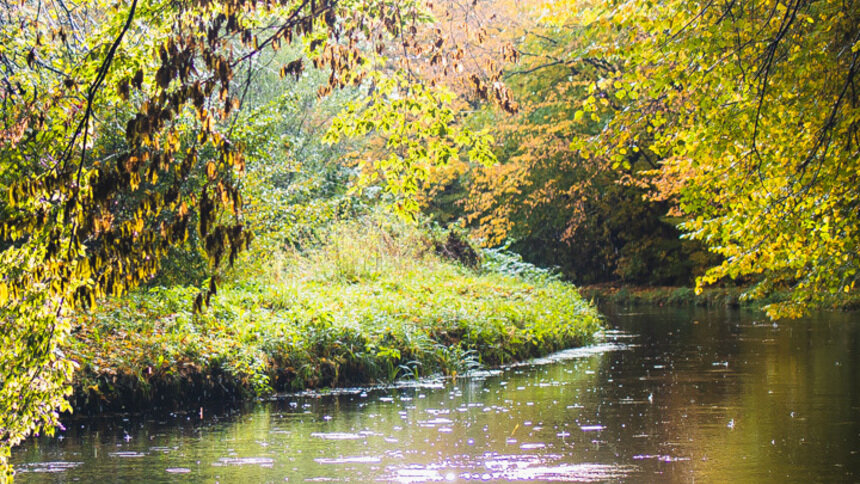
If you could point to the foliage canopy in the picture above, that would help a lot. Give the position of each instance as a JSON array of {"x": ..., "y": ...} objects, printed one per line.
[{"x": 751, "y": 109}]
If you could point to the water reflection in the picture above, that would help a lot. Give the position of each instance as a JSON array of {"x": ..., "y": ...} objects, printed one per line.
[{"x": 672, "y": 396}]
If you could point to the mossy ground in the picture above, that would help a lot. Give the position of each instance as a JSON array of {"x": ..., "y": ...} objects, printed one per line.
[{"x": 371, "y": 301}]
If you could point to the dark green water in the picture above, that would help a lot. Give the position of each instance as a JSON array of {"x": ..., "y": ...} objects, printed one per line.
[{"x": 674, "y": 396}]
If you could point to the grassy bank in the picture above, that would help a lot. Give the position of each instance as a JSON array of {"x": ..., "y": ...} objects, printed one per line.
[
  {"x": 686, "y": 296},
  {"x": 665, "y": 296},
  {"x": 371, "y": 301}
]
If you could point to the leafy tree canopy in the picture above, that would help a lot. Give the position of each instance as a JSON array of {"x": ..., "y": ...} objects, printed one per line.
[
  {"x": 751, "y": 109},
  {"x": 558, "y": 207}
]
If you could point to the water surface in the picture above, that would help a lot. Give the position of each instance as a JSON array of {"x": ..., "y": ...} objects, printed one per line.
[{"x": 671, "y": 396}]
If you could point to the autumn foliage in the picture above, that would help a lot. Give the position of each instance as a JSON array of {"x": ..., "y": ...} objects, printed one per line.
[
  {"x": 588, "y": 135},
  {"x": 738, "y": 122}
]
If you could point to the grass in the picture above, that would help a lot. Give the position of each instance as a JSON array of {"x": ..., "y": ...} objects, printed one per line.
[{"x": 372, "y": 301}]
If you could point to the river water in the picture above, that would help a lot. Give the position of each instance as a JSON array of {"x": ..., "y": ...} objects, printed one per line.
[{"x": 673, "y": 395}]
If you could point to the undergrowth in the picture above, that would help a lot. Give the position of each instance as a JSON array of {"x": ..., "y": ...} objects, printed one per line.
[{"x": 374, "y": 301}]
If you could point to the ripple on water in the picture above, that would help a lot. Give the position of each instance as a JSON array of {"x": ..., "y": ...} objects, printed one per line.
[
  {"x": 435, "y": 421},
  {"x": 349, "y": 460},
  {"x": 567, "y": 473},
  {"x": 592, "y": 428},
  {"x": 527, "y": 467},
  {"x": 337, "y": 436},
  {"x": 661, "y": 458},
  {"x": 125, "y": 454},
  {"x": 161, "y": 448},
  {"x": 532, "y": 446},
  {"x": 415, "y": 476},
  {"x": 574, "y": 353},
  {"x": 240, "y": 461},
  {"x": 55, "y": 466}
]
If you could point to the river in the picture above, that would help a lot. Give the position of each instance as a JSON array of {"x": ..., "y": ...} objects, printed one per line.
[{"x": 672, "y": 395}]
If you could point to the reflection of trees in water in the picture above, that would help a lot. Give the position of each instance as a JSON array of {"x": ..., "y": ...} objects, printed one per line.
[{"x": 788, "y": 389}]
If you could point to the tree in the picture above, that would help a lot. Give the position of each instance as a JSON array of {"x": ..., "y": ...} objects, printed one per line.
[
  {"x": 117, "y": 141},
  {"x": 558, "y": 207},
  {"x": 751, "y": 109}
]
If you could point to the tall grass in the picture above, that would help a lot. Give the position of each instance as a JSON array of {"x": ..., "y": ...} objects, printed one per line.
[{"x": 371, "y": 301}]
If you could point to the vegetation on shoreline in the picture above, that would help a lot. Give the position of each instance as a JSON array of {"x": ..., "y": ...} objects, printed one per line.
[
  {"x": 686, "y": 296},
  {"x": 374, "y": 301}
]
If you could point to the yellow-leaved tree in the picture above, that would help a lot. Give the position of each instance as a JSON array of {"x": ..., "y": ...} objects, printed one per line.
[{"x": 751, "y": 108}]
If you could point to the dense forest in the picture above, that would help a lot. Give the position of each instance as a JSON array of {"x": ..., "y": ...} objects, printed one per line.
[{"x": 206, "y": 164}]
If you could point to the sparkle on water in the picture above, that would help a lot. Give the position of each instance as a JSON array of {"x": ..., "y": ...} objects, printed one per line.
[{"x": 670, "y": 395}]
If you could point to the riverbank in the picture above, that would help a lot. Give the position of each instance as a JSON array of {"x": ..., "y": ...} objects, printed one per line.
[
  {"x": 712, "y": 297},
  {"x": 665, "y": 296},
  {"x": 370, "y": 303}
]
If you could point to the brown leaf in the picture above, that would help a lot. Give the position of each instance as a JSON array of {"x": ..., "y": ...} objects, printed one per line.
[{"x": 137, "y": 81}]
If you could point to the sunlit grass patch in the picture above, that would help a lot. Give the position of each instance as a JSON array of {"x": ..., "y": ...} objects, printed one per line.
[{"x": 373, "y": 301}]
